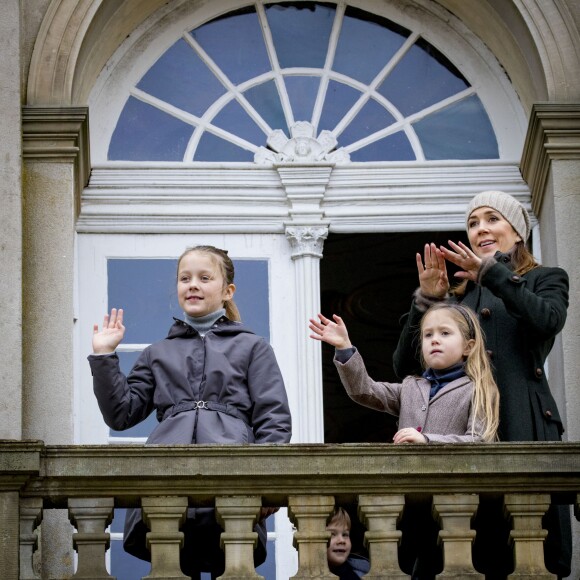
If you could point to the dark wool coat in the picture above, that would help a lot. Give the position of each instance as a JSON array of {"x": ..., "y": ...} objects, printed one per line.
[
  {"x": 520, "y": 317},
  {"x": 446, "y": 418},
  {"x": 231, "y": 369}
]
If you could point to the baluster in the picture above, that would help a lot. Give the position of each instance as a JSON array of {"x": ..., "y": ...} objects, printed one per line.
[
  {"x": 309, "y": 514},
  {"x": 527, "y": 535},
  {"x": 455, "y": 512},
  {"x": 91, "y": 518},
  {"x": 577, "y": 507},
  {"x": 238, "y": 515},
  {"x": 164, "y": 516},
  {"x": 30, "y": 518},
  {"x": 380, "y": 514}
]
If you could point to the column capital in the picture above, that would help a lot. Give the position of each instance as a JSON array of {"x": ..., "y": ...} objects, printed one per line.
[
  {"x": 58, "y": 135},
  {"x": 553, "y": 135},
  {"x": 306, "y": 240}
]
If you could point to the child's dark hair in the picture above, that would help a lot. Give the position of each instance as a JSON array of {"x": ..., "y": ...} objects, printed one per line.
[{"x": 221, "y": 258}]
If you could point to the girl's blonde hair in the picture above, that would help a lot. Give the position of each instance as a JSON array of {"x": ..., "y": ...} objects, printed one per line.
[
  {"x": 225, "y": 264},
  {"x": 339, "y": 517},
  {"x": 485, "y": 398}
]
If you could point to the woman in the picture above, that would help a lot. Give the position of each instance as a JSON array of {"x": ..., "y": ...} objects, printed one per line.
[{"x": 521, "y": 306}]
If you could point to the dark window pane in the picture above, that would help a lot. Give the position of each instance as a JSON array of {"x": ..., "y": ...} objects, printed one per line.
[
  {"x": 372, "y": 36},
  {"x": 213, "y": 148},
  {"x": 395, "y": 147},
  {"x": 371, "y": 118},
  {"x": 266, "y": 100},
  {"x": 147, "y": 291},
  {"x": 180, "y": 77},
  {"x": 145, "y": 133},
  {"x": 300, "y": 32},
  {"x": 244, "y": 54},
  {"x": 460, "y": 131},
  {"x": 302, "y": 93},
  {"x": 339, "y": 99},
  {"x": 234, "y": 119},
  {"x": 422, "y": 78}
]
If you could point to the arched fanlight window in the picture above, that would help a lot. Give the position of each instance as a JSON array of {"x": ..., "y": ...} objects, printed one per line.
[{"x": 238, "y": 85}]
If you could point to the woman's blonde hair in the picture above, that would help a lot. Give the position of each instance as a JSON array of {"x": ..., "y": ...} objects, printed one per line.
[
  {"x": 485, "y": 398},
  {"x": 224, "y": 262}
]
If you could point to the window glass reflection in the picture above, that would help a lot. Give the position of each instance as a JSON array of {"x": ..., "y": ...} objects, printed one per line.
[
  {"x": 212, "y": 147},
  {"x": 395, "y": 147},
  {"x": 266, "y": 100},
  {"x": 371, "y": 118},
  {"x": 300, "y": 32},
  {"x": 302, "y": 91},
  {"x": 144, "y": 133},
  {"x": 364, "y": 34},
  {"x": 180, "y": 78},
  {"x": 234, "y": 119},
  {"x": 244, "y": 54},
  {"x": 339, "y": 99},
  {"x": 422, "y": 78},
  {"x": 460, "y": 131}
]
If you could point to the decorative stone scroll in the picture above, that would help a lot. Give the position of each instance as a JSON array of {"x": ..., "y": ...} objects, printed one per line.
[{"x": 302, "y": 147}]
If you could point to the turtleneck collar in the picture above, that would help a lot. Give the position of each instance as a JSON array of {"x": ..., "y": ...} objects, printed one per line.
[
  {"x": 203, "y": 323},
  {"x": 442, "y": 377}
]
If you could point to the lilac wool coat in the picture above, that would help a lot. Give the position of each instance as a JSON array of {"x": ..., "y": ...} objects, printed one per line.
[{"x": 446, "y": 418}]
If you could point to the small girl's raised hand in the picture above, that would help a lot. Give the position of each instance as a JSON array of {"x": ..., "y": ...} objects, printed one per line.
[
  {"x": 408, "y": 435},
  {"x": 432, "y": 272},
  {"x": 332, "y": 332},
  {"x": 106, "y": 340},
  {"x": 463, "y": 257}
]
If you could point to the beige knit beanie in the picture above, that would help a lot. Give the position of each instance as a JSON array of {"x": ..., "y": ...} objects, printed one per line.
[{"x": 509, "y": 207}]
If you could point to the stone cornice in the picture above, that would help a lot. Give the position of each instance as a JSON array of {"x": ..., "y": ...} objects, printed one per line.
[
  {"x": 553, "y": 134},
  {"x": 58, "y": 135}
]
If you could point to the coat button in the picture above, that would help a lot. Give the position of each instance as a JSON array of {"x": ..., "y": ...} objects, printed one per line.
[
  {"x": 485, "y": 312},
  {"x": 489, "y": 353},
  {"x": 515, "y": 278},
  {"x": 539, "y": 372},
  {"x": 548, "y": 414}
]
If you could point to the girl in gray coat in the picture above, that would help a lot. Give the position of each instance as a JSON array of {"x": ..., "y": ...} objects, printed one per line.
[
  {"x": 454, "y": 400},
  {"x": 212, "y": 380}
]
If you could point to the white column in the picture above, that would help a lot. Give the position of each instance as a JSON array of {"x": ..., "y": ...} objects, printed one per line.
[{"x": 305, "y": 185}]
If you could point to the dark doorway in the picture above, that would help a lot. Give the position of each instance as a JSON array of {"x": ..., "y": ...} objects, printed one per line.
[{"x": 368, "y": 280}]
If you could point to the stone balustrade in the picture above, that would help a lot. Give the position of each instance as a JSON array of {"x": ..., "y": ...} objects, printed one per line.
[{"x": 90, "y": 481}]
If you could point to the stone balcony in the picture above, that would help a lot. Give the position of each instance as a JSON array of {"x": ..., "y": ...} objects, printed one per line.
[{"x": 90, "y": 481}]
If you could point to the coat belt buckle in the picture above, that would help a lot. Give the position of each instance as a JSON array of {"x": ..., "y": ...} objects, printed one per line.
[{"x": 201, "y": 405}]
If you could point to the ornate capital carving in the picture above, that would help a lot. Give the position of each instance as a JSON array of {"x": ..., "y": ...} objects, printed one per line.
[
  {"x": 306, "y": 240},
  {"x": 302, "y": 147}
]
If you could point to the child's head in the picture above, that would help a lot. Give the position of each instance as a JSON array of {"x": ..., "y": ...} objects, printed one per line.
[
  {"x": 463, "y": 341},
  {"x": 449, "y": 334},
  {"x": 212, "y": 270},
  {"x": 339, "y": 545}
]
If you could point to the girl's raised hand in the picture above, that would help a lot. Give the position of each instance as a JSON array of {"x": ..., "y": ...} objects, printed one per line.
[
  {"x": 432, "y": 272},
  {"x": 408, "y": 435},
  {"x": 332, "y": 332},
  {"x": 463, "y": 257},
  {"x": 106, "y": 340}
]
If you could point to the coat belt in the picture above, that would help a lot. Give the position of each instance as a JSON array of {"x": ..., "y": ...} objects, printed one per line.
[{"x": 205, "y": 405}]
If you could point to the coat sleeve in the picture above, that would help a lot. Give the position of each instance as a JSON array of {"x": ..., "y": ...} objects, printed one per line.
[
  {"x": 406, "y": 356},
  {"x": 123, "y": 401},
  {"x": 271, "y": 420},
  {"x": 364, "y": 390},
  {"x": 542, "y": 309}
]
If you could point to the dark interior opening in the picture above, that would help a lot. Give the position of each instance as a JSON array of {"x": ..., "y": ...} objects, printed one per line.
[{"x": 368, "y": 280}]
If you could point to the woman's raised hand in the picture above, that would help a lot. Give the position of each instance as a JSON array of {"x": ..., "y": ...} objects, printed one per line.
[
  {"x": 106, "y": 340},
  {"x": 432, "y": 272},
  {"x": 462, "y": 256},
  {"x": 331, "y": 331}
]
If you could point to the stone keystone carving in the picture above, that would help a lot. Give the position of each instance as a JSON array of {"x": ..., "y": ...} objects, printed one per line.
[{"x": 303, "y": 147}]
